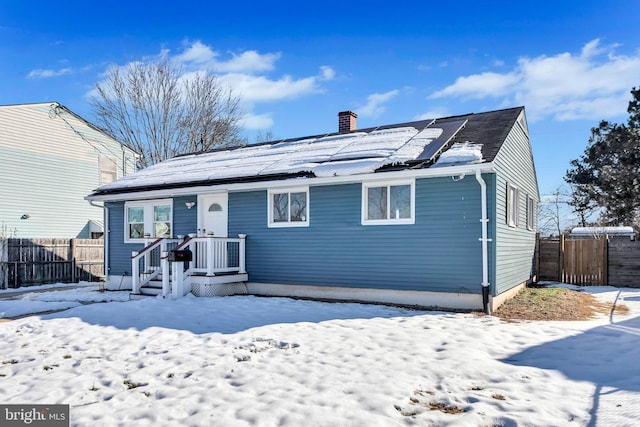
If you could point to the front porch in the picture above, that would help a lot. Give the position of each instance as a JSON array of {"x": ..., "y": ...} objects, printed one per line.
[{"x": 203, "y": 265}]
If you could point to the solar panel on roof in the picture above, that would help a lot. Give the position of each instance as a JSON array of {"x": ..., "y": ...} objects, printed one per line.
[{"x": 449, "y": 130}]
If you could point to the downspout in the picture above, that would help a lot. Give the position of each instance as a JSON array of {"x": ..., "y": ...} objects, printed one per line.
[
  {"x": 484, "y": 239},
  {"x": 106, "y": 237}
]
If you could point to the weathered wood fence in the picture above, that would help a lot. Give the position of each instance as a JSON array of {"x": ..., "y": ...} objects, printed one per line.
[
  {"x": 593, "y": 261},
  {"x": 26, "y": 262}
]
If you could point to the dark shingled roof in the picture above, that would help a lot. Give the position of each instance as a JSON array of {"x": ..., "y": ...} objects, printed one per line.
[{"x": 489, "y": 129}]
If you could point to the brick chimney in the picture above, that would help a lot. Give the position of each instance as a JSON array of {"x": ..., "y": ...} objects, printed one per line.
[{"x": 347, "y": 121}]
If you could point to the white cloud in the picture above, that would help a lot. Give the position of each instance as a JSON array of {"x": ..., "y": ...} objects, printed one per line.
[
  {"x": 246, "y": 73},
  {"x": 44, "y": 74},
  {"x": 250, "y": 74},
  {"x": 374, "y": 107},
  {"x": 254, "y": 89},
  {"x": 593, "y": 84},
  {"x": 327, "y": 73},
  {"x": 257, "y": 121},
  {"x": 197, "y": 53},
  {"x": 249, "y": 61},
  {"x": 479, "y": 86}
]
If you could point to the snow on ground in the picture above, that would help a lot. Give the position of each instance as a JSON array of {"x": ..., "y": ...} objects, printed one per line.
[
  {"x": 244, "y": 361},
  {"x": 35, "y": 299},
  {"x": 50, "y": 286}
]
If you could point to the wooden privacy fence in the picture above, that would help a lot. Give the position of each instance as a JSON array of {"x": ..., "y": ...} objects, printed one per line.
[
  {"x": 624, "y": 263},
  {"x": 594, "y": 261},
  {"x": 27, "y": 262}
]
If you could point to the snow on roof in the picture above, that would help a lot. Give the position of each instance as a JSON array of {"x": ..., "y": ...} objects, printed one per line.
[
  {"x": 461, "y": 154},
  {"x": 334, "y": 155}
]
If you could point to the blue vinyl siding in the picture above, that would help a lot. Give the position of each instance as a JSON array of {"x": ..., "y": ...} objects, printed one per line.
[
  {"x": 440, "y": 252},
  {"x": 184, "y": 222},
  {"x": 515, "y": 246},
  {"x": 119, "y": 252}
]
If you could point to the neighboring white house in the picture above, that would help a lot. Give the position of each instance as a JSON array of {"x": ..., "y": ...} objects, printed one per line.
[{"x": 50, "y": 159}]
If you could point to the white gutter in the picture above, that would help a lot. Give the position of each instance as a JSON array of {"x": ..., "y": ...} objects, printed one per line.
[
  {"x": 105, "y": 236},
  {"x": 484, "y": 239},
  {"x": 432, "y": 172}
]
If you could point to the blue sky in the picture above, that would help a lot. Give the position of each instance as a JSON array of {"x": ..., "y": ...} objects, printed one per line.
[{"x": 297, "y": 64}]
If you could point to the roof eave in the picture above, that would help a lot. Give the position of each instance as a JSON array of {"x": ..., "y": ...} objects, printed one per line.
[{"x": 288, "y": 181}]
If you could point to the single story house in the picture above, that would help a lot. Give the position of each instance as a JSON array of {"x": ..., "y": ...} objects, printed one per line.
[{"x": 437, "y": 213}]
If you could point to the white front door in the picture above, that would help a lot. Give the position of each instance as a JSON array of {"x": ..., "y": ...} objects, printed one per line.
[{"x": 212, "y": 215}]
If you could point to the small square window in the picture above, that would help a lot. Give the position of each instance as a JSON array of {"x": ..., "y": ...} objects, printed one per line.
[
  {"x": 288, "y": 208},
  {"x": 388, "y": 204}
]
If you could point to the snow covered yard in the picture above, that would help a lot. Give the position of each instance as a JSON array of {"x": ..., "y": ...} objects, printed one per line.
[
  {"x": 57, "y": 296},
  {"x": 237, "y": 361}
]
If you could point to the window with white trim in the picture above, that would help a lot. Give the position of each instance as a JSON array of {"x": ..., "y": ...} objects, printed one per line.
[
  {"x": 531, "y": 208},
  {"x": 513, "y": 196},
  {"x": 148, "y": 219},
  {"x": 388, "y": 203},
  {"x": 288, "y": 207}
]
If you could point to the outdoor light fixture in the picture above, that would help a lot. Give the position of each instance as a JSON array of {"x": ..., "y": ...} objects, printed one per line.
[
  {"x": 25, "y": 216},
  {"x": 189, "y": 205}
]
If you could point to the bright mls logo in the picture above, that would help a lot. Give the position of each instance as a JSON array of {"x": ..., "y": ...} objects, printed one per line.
[{"x": 34, "y": 415}]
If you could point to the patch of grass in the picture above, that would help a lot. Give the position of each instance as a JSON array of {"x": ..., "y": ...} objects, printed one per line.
[
  {"x": 10, "y": 362},
  {"x": 131, "y": 385},
  {"x": 554, "y": 304},
  {"x": 66, "y": 356},
  {"x": 447, "y": 409},
  {"x": 498, "y": 396}
]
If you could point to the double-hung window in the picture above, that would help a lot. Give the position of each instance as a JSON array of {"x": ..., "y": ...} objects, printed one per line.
[
  {"x": 388, "y": 203},
  {"x": 288, "y": 207},
  {"x": 148, "y": 219}
]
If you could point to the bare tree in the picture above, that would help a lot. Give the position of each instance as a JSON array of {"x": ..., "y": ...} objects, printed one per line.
[
  {"x": 268, "y": 136},
  {"x": 158, "y": 112},
  {"x": 552, "y": 212}
]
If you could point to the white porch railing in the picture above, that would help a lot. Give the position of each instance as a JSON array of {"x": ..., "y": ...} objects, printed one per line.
[
  {"x": 146, "y": 265},
  {"x": 210, "y": 256}
]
